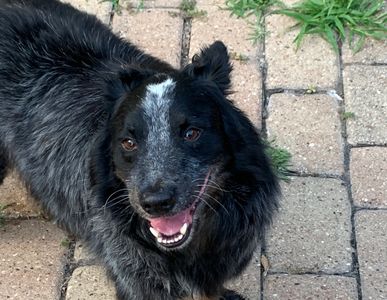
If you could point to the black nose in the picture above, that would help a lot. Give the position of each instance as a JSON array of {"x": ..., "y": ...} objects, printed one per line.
[{"x": 158, "y": 202}]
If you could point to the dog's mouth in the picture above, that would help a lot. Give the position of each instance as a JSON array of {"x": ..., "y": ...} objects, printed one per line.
[{"x": 174, "y": 231}]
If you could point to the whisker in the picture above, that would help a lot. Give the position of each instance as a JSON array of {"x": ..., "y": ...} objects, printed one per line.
[
  {"x": 216, "y": 188},
  {"x": 111, "y": 195},
  {"x": 200, "y": 198},
  {"x": 121, "y": 199},
  {"x": 213, "y": 198}
]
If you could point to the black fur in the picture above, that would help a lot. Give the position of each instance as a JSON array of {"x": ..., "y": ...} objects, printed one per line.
[{"x": 70, "y": 90}]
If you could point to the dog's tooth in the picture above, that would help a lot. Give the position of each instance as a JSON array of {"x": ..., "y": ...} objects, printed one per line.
[
  {"x": 154, "y": 232},
  {"x": 160, "y": 240},
  {"x": 184, "y": 228}
]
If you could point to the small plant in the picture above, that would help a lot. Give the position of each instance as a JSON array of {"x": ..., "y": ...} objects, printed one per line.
[
  {"x": 65, "y": 243},
  {"x": 188, "y": 7},
  {"x": 339, "y": 20},
  {"x": 2, "y": 215},
  {"x": 140, "y": 6},
  {"x": 115, "y": 3},
  {"x": 246, "y": 8},
  {"x": 239, "y": 56},
  {"x": 347, "y": 115},
  {"x": 280, "y": 160},
  {"x": 311, "y": 90}
]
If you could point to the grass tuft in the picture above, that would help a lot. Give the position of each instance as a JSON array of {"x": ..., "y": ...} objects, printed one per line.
[
  {"x": 188, "y": 7},
  {"x": 246, "y": 8},
  {"x": 339, "y": 20},
  {"x": 347, "y": 115},
  {"x": 280, "y": 160}
]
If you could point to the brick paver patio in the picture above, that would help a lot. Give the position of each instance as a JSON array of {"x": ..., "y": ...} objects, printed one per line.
[{"x": 329, "y": 240}]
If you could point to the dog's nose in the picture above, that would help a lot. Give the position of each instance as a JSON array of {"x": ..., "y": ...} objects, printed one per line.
[{"x": 158, "y": 202}]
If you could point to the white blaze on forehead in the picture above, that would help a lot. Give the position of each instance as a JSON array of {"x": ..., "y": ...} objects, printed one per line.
[{"x": 156, "y": 105}]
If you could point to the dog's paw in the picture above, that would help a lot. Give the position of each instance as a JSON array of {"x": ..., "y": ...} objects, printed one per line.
[{"x": 231, "y": 295}]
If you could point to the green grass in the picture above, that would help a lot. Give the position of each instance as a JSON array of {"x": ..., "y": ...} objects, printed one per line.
[
  {"x": 115, "y": 3},
  {"x": 280, "y": 160},
  {"x": 339, "y": 20},
  {"x": 246, "y": 8},
  {"x": 140, "y": 6},
  {"x": 188, "y": 7},
  {"x": 347, "y": 115},
  {"x": 336, "y": 21}
]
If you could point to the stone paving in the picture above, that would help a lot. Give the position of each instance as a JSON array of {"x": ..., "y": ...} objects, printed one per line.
[{"x": 328, "y": 110}]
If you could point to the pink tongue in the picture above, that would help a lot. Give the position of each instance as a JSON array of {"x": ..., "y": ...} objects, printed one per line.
[{"x": 171, "y": 225}]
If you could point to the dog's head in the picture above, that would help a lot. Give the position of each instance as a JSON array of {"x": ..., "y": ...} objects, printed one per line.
[{"x": 177, "y": 140}]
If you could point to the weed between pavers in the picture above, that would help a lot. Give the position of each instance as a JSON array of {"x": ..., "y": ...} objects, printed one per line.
[
  {"x": 347, "y": 115},
  {"x": 339, "y": 20},
  {"x": 246, "y": 8},
  {"x": 334, "y": 20},
  {"x": 188, "y": 7},
  {"x": 280, "y": 159}
]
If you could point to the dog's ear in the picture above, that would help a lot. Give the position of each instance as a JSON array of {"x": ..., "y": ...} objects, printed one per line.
[
  {"x": 121, "y": 82},
  {"x": 126, "y": 80},
  {"x": 213, "y": 64}
]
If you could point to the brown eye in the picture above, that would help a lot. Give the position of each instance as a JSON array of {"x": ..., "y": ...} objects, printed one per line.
[
  {"x": 129, "y": 144},
  {"x": 192, "y": 134}
]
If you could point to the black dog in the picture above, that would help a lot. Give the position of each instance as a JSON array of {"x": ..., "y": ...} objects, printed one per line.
[{"x": 153, "y": 167}]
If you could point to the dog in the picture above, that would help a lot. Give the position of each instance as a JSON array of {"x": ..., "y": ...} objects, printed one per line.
[{"x": 165, "y": 180}]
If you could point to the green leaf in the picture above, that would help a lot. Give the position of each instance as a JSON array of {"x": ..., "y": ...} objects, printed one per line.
[
  {"x": 359, "y": 44},
  {"x": 340, "y": 28},
  {"x": 331, "y": 38}
]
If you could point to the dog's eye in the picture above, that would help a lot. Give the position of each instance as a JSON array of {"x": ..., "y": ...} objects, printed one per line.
[
  {"x": 129, "y": 144},
  {"x": 192, "y": 134}
]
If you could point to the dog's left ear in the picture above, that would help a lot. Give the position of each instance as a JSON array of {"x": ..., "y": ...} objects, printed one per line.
[{"x": 213, "y": 64}]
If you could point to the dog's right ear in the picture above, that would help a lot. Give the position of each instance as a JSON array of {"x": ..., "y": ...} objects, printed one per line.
[
  {"x": 120, "y": 83},
  {"x": 126, "y": 80},
  {"x": 212, "y": 64}
]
